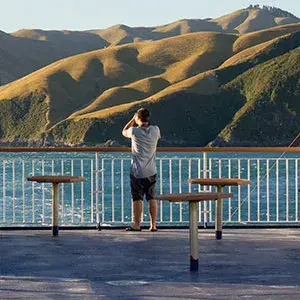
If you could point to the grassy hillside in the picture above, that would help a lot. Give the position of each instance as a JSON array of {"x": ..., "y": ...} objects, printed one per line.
[
  {"x": 254, "y": 19},
  {"x": 75, "y": 82},
  {"x": 184, "y": 118},
  {"x": 29, "y": 50},
  {"x": 192, "y": 79},
  {"x": 218, "y": 47},
  {"x": 19, "y": 56},
  {"x": 73, "y": 42},
  {"x": 35, "y": 48},
  {"x": 198, "y": 108},
  {"x": 177, "y": 59},
  {"x": 252, "y": 39},
  {"x": 240, "y": 21},
  {"x": 271, "y": 114}
]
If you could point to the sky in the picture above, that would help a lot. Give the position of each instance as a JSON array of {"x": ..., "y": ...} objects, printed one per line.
[{"x": 100, "y": 14}]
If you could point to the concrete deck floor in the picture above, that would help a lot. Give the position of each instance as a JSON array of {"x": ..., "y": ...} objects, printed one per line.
[{"x": 113, "y": 264}]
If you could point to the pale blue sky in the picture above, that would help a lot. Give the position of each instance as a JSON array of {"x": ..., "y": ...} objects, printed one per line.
[{"x": 97, "y": 14}]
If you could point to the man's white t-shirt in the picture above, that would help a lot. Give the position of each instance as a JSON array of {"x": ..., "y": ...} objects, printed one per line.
[{"x": 143, "y": 146}]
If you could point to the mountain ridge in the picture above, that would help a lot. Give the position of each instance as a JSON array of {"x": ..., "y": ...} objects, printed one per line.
[
  {"x": 66, "y": 43},
  {"x": 214, "y": 82}
]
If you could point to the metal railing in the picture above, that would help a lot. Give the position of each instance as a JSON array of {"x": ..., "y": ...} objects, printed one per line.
[{"x": 104, "y": 198}]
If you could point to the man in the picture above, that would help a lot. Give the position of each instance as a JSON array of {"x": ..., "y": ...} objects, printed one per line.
[{"x": 144, "y": 138}]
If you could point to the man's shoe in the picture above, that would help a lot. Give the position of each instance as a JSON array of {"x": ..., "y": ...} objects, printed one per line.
[{"x": 132, "y": 229}]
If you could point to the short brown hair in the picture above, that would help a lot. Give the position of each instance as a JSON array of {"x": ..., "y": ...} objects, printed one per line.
[{"x": 143, "y": 114}]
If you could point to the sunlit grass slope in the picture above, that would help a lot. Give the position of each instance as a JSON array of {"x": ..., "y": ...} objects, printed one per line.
[
  {"x": 252, "y": 39},
  {"x": 210, "y": 81},
  {"x": 73, "y": 42},
  {"x": 271, "y": 115},
  {"x": 19, "y": 56},
  {"x": 111, "y": 76},
  {"x": 27, "y": 50},
  {"x": 177, "y": 58},
  {"x": 87, "y": 97},
  {"x": 250, "y": 20},
  {"x": 240, "y": 21},
  {"x": 199, "y": 108}
]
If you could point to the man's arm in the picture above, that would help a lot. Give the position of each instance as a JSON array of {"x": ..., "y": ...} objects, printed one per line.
[{"x": 130, "y": 124}]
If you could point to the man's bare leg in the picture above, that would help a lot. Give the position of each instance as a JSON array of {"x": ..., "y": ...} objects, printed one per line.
[
  {"x": 137, "y": 214},
  {"x": 152, "y": 213}
]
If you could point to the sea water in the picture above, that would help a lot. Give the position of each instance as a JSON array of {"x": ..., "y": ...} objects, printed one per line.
[{"x": 105, "y": 196}]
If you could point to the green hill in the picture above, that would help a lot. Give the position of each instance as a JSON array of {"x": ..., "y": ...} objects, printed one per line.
[
  {"x": 24, "y": 53},
  {"x": 200, "y": 88},
  {"x": 75, "y": 82},
  {"x": 215, "y": 107},
  {"x": 33, "y": 49},
  {"x": 19, "y": 57},
  {"x": 271, "y": 114}
]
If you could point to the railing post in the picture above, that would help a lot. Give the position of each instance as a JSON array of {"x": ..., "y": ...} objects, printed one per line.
[
  {"x": 205, "y": 202},
  {"x": 97, "y": 190},
  {"x": 4, "y": 191},
  {"x": 219, "y": 215},
  {"x": 13, "y": 191},
  {"x": 296, "y": 190}
]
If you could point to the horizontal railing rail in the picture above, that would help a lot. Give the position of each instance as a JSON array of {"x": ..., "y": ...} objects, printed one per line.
[
  {"x": 159, "y": 149},
  {"x": 104, "y": 198}
]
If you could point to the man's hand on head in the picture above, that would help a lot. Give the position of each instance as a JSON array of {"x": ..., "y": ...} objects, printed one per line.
[
  {"x": 131, "y": 123},
  {"x": 135, "y": 118}
]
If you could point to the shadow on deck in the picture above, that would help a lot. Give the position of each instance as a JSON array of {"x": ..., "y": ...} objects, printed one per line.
[{"x": 247, "y": 263}]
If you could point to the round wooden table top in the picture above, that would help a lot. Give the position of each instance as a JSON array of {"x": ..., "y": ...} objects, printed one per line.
[
  {"x": 203, "y": 196},
  {"x": 56, "y": 179},
  {"x": 219, "y": 181}
]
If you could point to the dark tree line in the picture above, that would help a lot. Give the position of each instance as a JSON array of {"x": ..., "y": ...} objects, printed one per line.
[{"x": 275, "y": 11}]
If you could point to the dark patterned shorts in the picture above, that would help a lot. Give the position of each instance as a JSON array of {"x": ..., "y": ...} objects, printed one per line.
[{"x": 141, "y": 187}]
